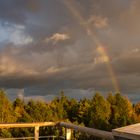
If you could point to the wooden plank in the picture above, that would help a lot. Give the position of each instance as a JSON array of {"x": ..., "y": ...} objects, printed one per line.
[
  {"x": 129, "y": 132},
  {"x": 90, "y": 131},
  {"x": 13, "y": 125}
]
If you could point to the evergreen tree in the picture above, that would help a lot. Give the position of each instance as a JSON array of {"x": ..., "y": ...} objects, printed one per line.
[
  {"x": 99, "y": 112},
  {"x": 59, "y": 107},
  {"x": 20, "y": 112},
  {"x": 39, "y": 111},
  {"x": 137, "y": 108},
  {"x": 83, "y": 111},
  {"x": 122, "y": 112},
  {"x": 6, "y": 109}
]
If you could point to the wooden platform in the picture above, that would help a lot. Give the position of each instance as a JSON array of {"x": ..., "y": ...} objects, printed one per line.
[{"x": 131, "y": 132}]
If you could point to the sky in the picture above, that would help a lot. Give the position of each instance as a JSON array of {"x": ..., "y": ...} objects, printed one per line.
[{"x": 80, "y": 47}]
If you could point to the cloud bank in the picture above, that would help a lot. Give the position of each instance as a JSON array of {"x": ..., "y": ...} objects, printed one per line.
[{"x": 44, "y": 49}]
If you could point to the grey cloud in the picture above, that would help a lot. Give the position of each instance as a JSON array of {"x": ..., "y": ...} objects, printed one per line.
[
  {"x": 130, "y": 19},
  {"x": 15, "y": 11},
  {"x": 69, "y": 64},
  {"x": 128, "y": 64}
]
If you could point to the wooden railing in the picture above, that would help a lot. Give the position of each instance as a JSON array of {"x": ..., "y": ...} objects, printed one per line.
[
  {"x": 28, "y": 125},
  {"x": 90, "y": 131},
  {"x": 124, "y": 133}
]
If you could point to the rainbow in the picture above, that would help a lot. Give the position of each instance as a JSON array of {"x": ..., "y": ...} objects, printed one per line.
[{"x": 99, "y": 46}]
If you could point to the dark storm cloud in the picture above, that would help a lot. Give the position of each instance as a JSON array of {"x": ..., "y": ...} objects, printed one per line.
[
  {"x": 56, "y": 51},
  {"x": 15, "y": 11}
]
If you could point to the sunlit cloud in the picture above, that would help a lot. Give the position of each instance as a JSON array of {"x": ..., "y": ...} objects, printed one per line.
[
  {"x": 98, "y": 21},
  {"x": 57, "y": 37},
  {"x": 10, "y": 67}
]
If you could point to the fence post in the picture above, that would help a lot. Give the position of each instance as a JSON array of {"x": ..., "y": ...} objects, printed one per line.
[
  {"x": 68, "y": 134},
  {"x": 36, "y": 132}
]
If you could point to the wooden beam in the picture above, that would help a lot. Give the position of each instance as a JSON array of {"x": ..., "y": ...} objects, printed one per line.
[
  {"x": 13, "y": 125},
  {"x": 68, "y": 134},
  {"x": 36, "y": 132}
]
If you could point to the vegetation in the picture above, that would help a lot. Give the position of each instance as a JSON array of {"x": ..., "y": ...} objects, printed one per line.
[{"x": 98, "y": 112}]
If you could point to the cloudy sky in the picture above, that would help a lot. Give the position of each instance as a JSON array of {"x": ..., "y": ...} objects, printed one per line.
[{"x": 79, "y": 46}]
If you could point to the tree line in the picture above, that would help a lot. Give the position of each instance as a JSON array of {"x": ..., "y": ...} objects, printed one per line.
[{"x": 98, "y": 112}]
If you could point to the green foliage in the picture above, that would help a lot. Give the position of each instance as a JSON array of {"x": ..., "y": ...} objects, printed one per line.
[
  {"x": 20, "y": 112},
  {"x": 59, "y": 107},
  {"x": 22, "y": 132},
  {"x": 83, "y": 111},
  {"x": 122, "y": 111},
  {"x": 72, "y": 110},
  {"x": 38, "y": 111},
  {"x": 98, "y": 112},
  {"x": 6, "y": 110},
  {"x": 5, "y": 133},
  {"x": 137, "y": 108}
]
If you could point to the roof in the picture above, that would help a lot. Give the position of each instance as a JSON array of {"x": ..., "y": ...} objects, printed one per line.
[{"x": 129, "y": 132}]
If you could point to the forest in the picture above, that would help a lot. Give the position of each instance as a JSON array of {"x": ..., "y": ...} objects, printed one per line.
[{"x": 98, "y": 112}]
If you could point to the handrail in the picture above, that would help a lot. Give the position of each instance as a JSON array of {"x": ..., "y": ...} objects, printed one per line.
[
  {"x": 68, "y": 126},
  {"x": 128, "y": 132},
  {"x": 90, "y": 131},
  {"x": 34, "y": 124}
]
